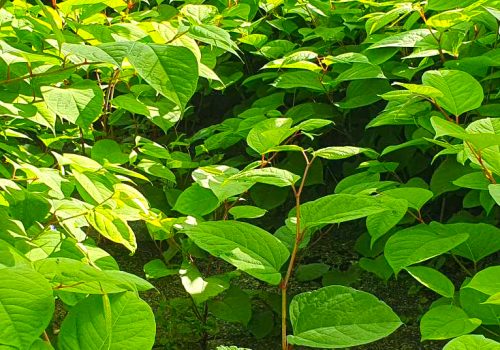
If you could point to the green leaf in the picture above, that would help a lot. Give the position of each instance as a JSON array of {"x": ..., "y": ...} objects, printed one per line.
[
  {"x": 261, "y": 323},
  {"x": 269, "y": 133},
  {"x": 361, "y": 71},
  {"x": 362, "y": 93},
  {"x": 494, "y": 190},
  {"x": 476, "y": 181},
  {"x": 448, "y": 19},
  {"x": 235, "y": 306},
  {"x": 271, "y": 176},
  {"x": 112, "y": 227},
  {"x": 247, "y": 247},
  {"x": 49, "y": 14},
  {"x": 26, "y": 306},
  {"x": 247, "y": 212},
  {"x": 196, "y": 200},
  {"x": 75, "y": 276},
  {"x": 118, "y": 321},
  {"x": 338, "y": 317},
  {"x": 108, "y": 151},
  {"x": 419, "y": 243},
  {"x": 484, "y": 240},
  {"x": 216, "y": 178},
  {"x": 94, "y": 188},
  {"x": 28, "y": 207},
  {"x": 9, "y": 255},
  {"x": 474, "y": 303},
  {"x": 486, "y": 281},
  {"x": 302, "y": 79},
  {"x": 422, "y": 90},
  {"x": 40, "y": 344},
  {"x": 445, "y": 174},
  {"x": 378, "y": 266},
  {"x": 433, "y": 279},
  {"x": 212, "y": 35},
  {"x": 89, "y": 53},
  {"x": 379, "y": 224},
  {"x": 80, "y": 103},
  {"x": 415, "y": 196},
  {"x": 151, "y": 148},
  {"x": 472, "y": 342},
  {"x": 202, "y": 289},
  {"x": 494, "y": 299},
  {"x": 461, "y": 92},
  {"x": 441, "y": 5},
  {"x": 446, "y": 321},
  {"x": 444, "y": 127},
  {"x": 156, "y": 168},
  {"x": 170, "y": 70},
  {"x": 311, "y": 272},
  {"x": 408, "y": 38},
  {"x": 342, "y": 152},
  {"x": 156, "y": 269},
  {"x": 338, "y": 208}
]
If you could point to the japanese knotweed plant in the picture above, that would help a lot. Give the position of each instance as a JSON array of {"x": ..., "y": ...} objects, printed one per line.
[{"x": 296, "y": 116}]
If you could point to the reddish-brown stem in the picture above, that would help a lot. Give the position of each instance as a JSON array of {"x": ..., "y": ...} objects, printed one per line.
[
  {"x": 46, "y": 337},
  {"x": 487, "y": 172},
  {"x": 299, "y": 235},
  {"x": 438, "y": 40}
]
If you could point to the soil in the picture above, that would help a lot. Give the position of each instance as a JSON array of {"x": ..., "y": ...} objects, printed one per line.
[{"x": 178, "y": 328}]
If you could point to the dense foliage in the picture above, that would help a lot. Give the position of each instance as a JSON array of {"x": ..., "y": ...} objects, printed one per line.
[{"x": 240, "y": 131}]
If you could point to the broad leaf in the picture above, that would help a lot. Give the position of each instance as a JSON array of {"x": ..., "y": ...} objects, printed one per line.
[
  {"x": 461, "y": 92},
  {"x": 75, "y": 276},
  {"x": 342, "y": 152},
  {"x": 379, "y": 224},
  {"x": 80, "y": 103},
  {"x": 26, "y": 307},
  {"x": 486, "y": 281},
  {"x": 416, "y": 197},
  {"x": 311, "y": 272},
  {"x": 447, "y": 321},
  {"x": 170, "y": 70},
  {"x": 202, "y": 289},
  {"x": 269, "y": 133},
  {"x": 196, "y": 200},
  {"x": 433, "y": 279},
  {"x": 246, "y": 212},
  {"x": 235, "y": 306},
  {"x": 472, "y": 342},
  {"x": 247, "y": 247},
  {"x": 419, "y": 243},
  {"x": 484, "y": 240},
  {"x": 112, "y": 227},
  {"x": 405, "y": 39},
  {"x": 271, "y": 176},
  {"x": 108, "y": 151},
  {"x": 118, "y": 321},
  {"x": 494, "y": 190},
  {"x": 338, "y": 208},
  {"x": 338, "y": 317}
]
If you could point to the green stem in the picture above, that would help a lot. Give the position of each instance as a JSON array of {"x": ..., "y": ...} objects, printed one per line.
[{"x": 462, "y": 266}]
